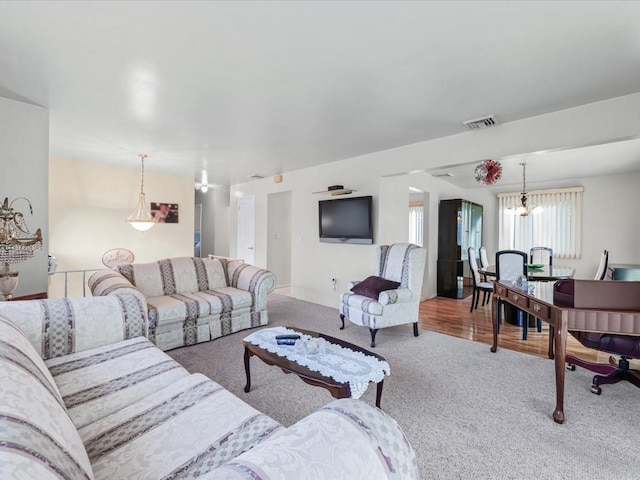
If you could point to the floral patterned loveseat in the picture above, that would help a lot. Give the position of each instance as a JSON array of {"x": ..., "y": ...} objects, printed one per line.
[
  {"x": 85, "y": 395},
  {"x": 190, "y": 299}
]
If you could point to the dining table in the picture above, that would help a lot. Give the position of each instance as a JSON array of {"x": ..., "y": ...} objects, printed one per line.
[{"x": 546, "y": 273}]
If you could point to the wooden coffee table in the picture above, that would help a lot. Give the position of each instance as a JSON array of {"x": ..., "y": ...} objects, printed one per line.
[{"x": 337, "y": 389}]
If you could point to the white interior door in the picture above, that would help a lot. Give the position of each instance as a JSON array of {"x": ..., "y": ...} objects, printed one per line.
[{"x": 247, "y": 229}]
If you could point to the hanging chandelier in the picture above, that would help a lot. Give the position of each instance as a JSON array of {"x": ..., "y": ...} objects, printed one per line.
[
  {"x": 17, "y": 244},
  {"x": 488, "y": 172},
  {"x": 524, "y": 209},
  {"x": 141, "y": 219}
]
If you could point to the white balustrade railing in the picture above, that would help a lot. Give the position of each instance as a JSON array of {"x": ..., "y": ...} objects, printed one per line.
[{"x": 69, "y": 283}]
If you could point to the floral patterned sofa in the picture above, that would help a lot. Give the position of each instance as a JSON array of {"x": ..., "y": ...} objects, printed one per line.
[
  {"x": 84, "y": 395},
  {"x": 192, "y": 300}
]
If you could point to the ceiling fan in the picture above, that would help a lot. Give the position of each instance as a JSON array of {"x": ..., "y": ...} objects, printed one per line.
[{"x": 203, "y": 185}]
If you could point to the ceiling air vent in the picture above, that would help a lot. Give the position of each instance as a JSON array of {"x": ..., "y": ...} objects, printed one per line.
[{"x": 483, "y": 122}]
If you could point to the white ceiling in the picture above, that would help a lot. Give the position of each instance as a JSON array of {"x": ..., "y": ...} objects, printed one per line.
[
  {"x": 560, "y": 166},
  {"x": 265, "y": 87}
]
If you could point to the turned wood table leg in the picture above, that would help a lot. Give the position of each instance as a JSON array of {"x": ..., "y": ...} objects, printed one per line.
[
  {"x": 494, "y": 320},
  {"x": 379, "y": 392},
  {"x": 560, "y": 341},
  {"x": 247, "y": 356}
]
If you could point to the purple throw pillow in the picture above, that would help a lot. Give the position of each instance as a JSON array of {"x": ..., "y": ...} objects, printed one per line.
[{"x": 372, "y": 286}]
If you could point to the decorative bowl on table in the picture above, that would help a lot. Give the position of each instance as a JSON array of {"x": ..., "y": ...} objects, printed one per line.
[
  {"x": 314, "y": 346},
  {"x": 535, "y": 266}
]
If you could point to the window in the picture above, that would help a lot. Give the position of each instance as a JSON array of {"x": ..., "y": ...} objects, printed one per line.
[
  {"x": 558, "y": 226},
  {"x": 416, "y": 223}
]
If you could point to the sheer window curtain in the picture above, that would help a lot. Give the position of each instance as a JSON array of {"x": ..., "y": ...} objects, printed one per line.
[
  {"x": 416, "y": 224},
  {"x": 559, "y": 226}
]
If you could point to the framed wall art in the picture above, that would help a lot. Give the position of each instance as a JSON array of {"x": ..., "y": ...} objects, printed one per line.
[{"x": 165, "y": 212}]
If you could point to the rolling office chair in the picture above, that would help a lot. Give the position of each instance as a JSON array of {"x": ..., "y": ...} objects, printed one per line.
[
  {"x": 478, "y": 285},
  {"x": 626, "y": 346},
  {"x": 598, "y": 295}
]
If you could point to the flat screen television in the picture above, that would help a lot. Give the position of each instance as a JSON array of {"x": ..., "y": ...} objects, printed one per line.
[{"x": 346, "y": 220}]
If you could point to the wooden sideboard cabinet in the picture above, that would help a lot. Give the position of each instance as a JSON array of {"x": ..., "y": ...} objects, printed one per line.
[{"x": 33, "y": 296}]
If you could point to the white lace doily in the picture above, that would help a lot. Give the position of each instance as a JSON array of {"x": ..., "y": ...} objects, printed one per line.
[{"x": 342, "y": 364}]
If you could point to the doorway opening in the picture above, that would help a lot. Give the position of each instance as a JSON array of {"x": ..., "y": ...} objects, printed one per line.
[{"x": 279, "y": 231}]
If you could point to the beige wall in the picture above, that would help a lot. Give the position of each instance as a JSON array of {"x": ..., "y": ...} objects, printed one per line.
[{"x": 88, "y": 206}]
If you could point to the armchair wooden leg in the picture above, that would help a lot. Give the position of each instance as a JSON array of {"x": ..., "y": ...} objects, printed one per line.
[
  {"x": 415, "y": 329},
  {"x": 342, "y": 318},
  {"x": 373, "y": 336}
]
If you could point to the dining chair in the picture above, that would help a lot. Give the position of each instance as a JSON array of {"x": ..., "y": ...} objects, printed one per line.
[
  {"x": 478, "y": 285},
  {"x": 602, "y": 268},
  {"x": 484, "y": 263},
  {"x": 484, "y": 260},
  {"x": 511, "y": 264},
  {"x": 541, "y": 256}
]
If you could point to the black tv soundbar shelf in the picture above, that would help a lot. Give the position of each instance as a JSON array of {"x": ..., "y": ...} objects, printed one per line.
[{"x": 342, "y": 191}]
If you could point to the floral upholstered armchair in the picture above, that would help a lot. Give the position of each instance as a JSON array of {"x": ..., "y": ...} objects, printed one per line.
[{"x": 392, "y": 295}]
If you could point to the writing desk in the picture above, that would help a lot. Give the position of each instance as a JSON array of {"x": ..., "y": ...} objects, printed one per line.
[
  {"x": 600, "y": 311},
  {"x": 540, "y": 304}
]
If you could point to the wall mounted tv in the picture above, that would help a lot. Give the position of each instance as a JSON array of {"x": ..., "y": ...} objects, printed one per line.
[{"x": 346, "y": 220}]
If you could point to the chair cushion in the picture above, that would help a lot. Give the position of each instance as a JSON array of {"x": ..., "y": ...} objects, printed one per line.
[
  {"x": 97, "y": 382},
  {"x": 179, "y": 307},
  {"x": 372, "y": 286},
  {"x": 361, "y": 303},
  {"x": 225, "y": 301},
  {"x": 185, "y": 430},
  {"x": 627, "y": 345},
  {"x": 227, "y": 298}
]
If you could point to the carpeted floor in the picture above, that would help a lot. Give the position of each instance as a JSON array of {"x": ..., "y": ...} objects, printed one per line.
[{"x": 468, "y": 413}]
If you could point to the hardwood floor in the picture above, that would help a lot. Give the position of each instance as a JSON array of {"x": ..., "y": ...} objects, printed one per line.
[{"x": 452, "y": 317}]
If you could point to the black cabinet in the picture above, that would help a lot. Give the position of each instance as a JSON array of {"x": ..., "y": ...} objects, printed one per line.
[{"x": 459, "y": 227}]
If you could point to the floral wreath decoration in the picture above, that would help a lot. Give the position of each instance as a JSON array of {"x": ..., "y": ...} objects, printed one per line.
[{"x": 488, "y": 172}]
